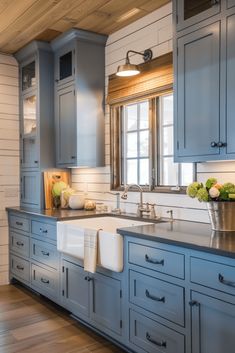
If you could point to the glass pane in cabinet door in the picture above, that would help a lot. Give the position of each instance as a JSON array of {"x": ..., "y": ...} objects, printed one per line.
[
  {"x": 29, "y": 116},
  {"x": 28, "y": 76},
  {"x": 193, "y": 8},
  {"x": 66, "y": 65}
]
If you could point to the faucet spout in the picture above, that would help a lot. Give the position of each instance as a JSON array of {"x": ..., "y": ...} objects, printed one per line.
[{"x": 141, "y": 208}]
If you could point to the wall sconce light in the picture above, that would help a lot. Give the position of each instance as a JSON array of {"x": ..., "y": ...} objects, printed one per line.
[{"x": 129, "y": 69}]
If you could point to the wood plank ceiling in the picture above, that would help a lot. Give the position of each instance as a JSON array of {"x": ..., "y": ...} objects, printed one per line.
[{"x": 22, "y": 21}]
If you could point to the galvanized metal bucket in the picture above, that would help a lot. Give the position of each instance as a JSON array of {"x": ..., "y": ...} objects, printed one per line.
[{"x": 222, "y": 215}]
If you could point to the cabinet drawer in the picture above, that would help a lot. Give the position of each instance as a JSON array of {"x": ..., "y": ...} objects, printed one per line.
[
  {"x": 45, "y": 253},
  {"x": 19, "y": 244},
  {"x": 19, "y": 223},
  {"x": 217, "y": 276},
  {"x": 153, "y": 337},
  {"x": 163, "y": 261},
  {"x": 159, "y": 297},
  {"x": 45, "y": 281},
  {"x": 45, "y": 230},
  {"x": 20, "y": 268}
]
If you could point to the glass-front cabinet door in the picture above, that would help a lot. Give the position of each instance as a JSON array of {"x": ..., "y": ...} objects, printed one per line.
[
  {"x": 28, "y": 76},
  {"x": 29, "y": 126},
  {"x": 190, "y": 12},
  {"x": 64, "y": 65}
]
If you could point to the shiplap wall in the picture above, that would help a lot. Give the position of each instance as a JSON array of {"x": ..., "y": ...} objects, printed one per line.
[
  {"x": 153, "y": 31},
  {"x": 9, "y": 152}
]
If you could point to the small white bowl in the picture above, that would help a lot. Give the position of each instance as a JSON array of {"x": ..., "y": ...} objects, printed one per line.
[{"x": 76, "y": 201}]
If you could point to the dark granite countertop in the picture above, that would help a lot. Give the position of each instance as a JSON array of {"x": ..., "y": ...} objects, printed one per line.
[
  {"x": 192, "y": 235},
  {"x": 55, "y": 214}
]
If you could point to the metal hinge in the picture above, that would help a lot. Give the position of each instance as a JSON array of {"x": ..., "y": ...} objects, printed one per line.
[
  {"x": 63, "y": 269},
  {"x": 63, "y": 293},
  {"x": 74, "y": 92},
  {"x": 120, "y": 323},
  {"x": 120, "y": 293},
  {"x": 177, "y": 18},
  {"x": 178, "y": 145}
]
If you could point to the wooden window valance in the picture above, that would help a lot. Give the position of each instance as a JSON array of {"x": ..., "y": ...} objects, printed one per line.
[{"x": 156, "y": 76}]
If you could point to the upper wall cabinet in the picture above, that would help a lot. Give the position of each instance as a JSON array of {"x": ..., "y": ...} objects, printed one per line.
[
  {"x": 198, "y": 77},
  {"x": 36, "y": 119},
  {"x": 190, "y": 12},
  {"x": 79, "y": 98},
  {"x": 204, "y": 83}
]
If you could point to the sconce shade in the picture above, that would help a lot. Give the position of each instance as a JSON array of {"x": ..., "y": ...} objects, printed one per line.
[{"x": 127, "y": 70}]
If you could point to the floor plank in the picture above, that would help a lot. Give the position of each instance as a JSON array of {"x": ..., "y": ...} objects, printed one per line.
[{"x": 29, "y": 323}]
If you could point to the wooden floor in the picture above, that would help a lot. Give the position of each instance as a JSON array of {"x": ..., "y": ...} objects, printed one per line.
[{"x": 31, "y": 324}]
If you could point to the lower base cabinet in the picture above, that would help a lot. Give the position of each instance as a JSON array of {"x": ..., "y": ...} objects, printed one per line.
[
  {"x": 95, "y": 297},
  {"x": 213, "y": 323},
  {"x": 152, "y": 336}
]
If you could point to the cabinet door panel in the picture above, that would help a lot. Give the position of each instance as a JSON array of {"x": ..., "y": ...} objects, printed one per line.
[
  {"x": 190, "y": 12},
  {"x": 30, "y": 191},
  {"x": 106, "y": 302},
  {"x": 66, "y": 126},
  {"x": 75, "y": 289},
  {"x": 230, "y": 126},
  {"x": 198, "y": 93},
  {"x": 213, "y": 323}
]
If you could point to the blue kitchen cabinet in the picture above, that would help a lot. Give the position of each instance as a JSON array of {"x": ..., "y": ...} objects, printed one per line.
[
  {"x": 95, "y": 298},
  {"x": 105, "y": 302},
  {"x": 79, "y": 81},
  {"x": 213, "y": 323},
  {"x": 36, "y": 119},
  {"x": 190, "y": 12},
  {"x": 75, "y": 289},
  {"x": 65, "y": 105},
  {"x": 197, "y": 99}
]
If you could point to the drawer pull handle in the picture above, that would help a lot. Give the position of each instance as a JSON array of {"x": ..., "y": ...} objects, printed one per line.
[
  {"x": 224, "y": 281},
  {"x": 45, "y": 253},
  {"x": 159, "y": 344},
  {"x": 19, "y": 243},
  {"x": 157, "y": 299},
  {"x": 152, "y": 261},
  {"x": 19, "y": 223},
  {"x": 44, "y": 231},
  {"x": 20, "y": 267},
  {"x": 46, "y": 281}
]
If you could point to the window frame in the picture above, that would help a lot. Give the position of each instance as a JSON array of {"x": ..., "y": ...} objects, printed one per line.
[{"x": 116, "y": 111}]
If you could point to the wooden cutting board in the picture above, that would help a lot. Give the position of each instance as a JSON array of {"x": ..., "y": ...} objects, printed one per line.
[{"x": 50, "y": 177}]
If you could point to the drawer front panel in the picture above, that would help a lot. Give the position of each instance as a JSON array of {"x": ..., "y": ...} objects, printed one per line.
[
  {"x": 19, "y": 223},
  {"x": 157, "y": 296},
  {"x": 45, "y": 281},
  {"x": 213, "y": 275},
  {"x": 19, "y": 244},
  {"x": 45, "y": 230},
  {"x": 20, "y": 268},
  {"x": 163, "y": 261},
  {"x": 153, "y": 337},
  {"x": 45, "y": 253}
]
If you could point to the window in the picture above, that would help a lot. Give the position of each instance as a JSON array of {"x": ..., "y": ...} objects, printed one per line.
[{"x": 143, "y": 145}]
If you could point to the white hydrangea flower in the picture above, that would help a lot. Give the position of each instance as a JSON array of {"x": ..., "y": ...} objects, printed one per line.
[{"x": 214, "y": 192}]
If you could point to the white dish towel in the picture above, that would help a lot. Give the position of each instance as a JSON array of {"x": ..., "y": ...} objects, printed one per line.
[{"x": 90, "y": 249}]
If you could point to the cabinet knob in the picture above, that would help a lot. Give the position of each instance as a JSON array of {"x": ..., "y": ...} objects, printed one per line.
[
  {"x": 214, "y": 144},
  {"x": 193, "y": 303},
  {"x": 57, "y": 80},
  {"x": 73, "y": 157},
  {"x": 36, "y": 162},
  {"x": 221, "y": 144}
]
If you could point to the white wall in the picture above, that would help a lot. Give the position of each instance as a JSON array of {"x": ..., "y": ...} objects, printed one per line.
[
  {"x": 153, "y": 31},
  {"x": 9, "y": 152}
]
